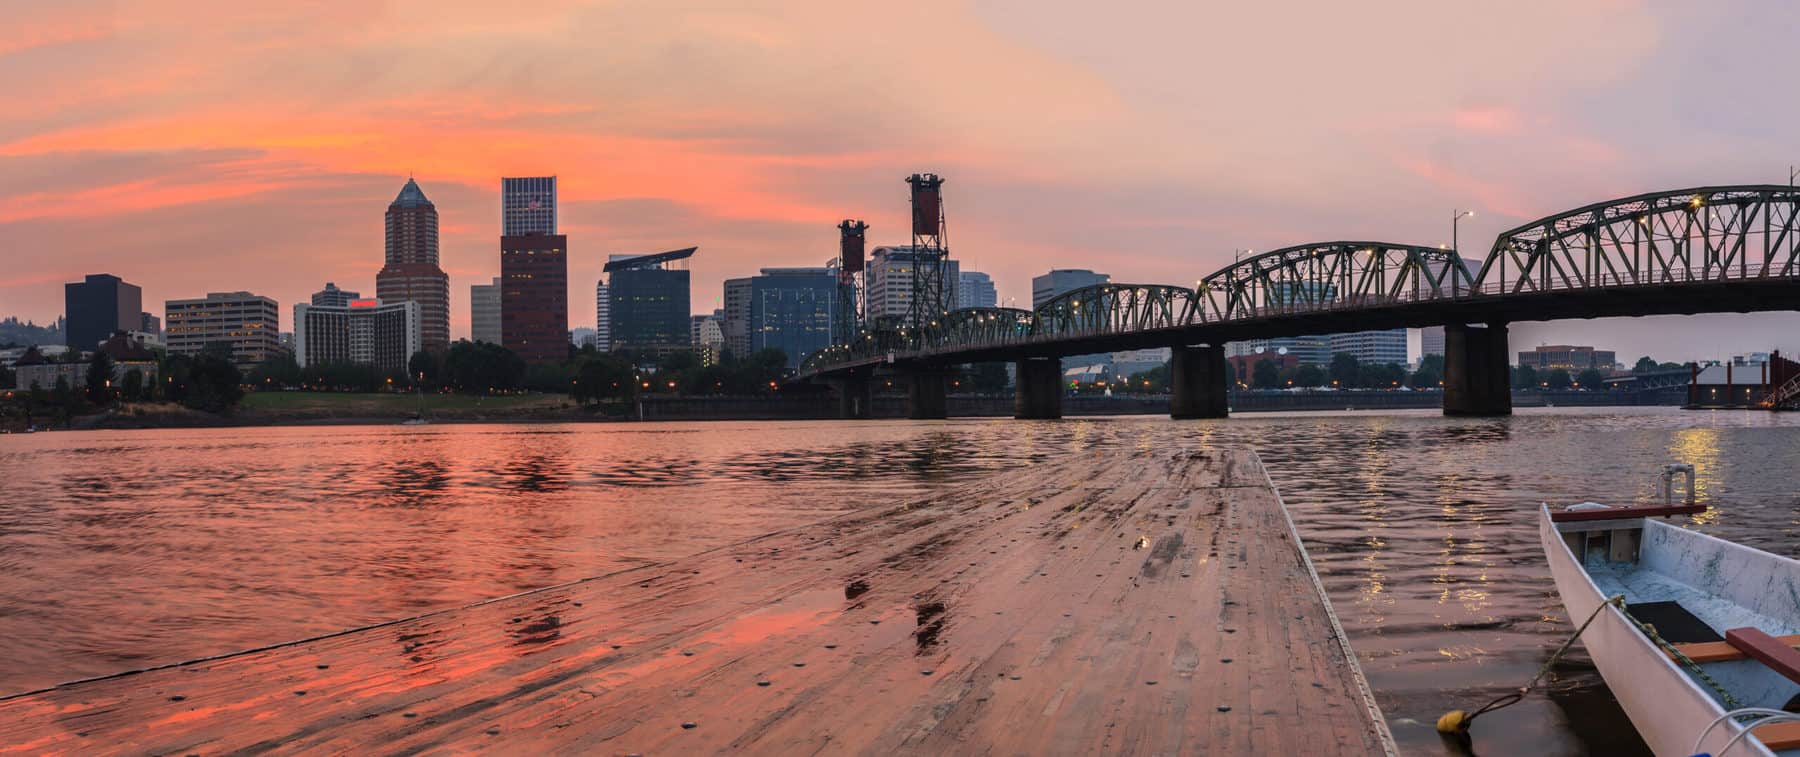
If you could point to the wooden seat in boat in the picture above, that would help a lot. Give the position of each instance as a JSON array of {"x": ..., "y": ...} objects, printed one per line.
[
  {"x": 1723, "y": 651},
  {"x": 1778, "y": 736},
  {"x": 1766, "y": 649}
]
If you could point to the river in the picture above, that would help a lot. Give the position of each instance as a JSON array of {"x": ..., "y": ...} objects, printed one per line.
[{"x": 124, "y": 549}]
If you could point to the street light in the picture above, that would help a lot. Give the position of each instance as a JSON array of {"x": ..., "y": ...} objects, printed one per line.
[{"x": 1456, "y": 216}]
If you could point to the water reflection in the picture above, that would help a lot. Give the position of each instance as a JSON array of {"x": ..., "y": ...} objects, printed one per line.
[{"x": 121, "y": 549}]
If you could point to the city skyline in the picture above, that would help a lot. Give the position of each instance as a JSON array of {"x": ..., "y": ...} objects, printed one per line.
[{"x": 251, "y": 182}]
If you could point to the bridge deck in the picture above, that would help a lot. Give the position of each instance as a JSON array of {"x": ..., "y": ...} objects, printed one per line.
[{"x": 1145, "y": 603}]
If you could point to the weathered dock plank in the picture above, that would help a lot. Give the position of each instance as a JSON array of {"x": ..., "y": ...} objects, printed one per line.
[{"x": 1118, "y": 603}]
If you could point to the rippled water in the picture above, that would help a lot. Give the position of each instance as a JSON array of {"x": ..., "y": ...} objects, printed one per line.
[{"x": 123, "y": 549}]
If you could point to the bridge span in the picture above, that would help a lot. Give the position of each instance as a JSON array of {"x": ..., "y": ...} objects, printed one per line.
[{"x": 1702, "y": 250}]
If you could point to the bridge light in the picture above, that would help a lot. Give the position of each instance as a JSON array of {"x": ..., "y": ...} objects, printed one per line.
[{"x": 1695, "y": 202}]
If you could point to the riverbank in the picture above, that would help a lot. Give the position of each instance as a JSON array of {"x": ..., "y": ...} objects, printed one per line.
[{"x": 343, "y": 408}]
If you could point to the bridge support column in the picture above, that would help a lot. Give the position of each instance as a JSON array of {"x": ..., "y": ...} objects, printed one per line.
[
  {"x": 1476, "y": 376},
  {"x": 1039, "y": 393},
  {"x": 856, "y": 399},
  {"x": 1198, "y": 380},
  {"x": 925, "y": 395}
]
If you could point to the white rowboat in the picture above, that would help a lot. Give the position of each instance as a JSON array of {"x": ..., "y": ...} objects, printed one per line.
[{"x": 1733, "y": 612}]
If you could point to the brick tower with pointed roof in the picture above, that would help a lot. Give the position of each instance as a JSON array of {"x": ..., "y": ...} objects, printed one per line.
[{"x": 411, "y": 270}]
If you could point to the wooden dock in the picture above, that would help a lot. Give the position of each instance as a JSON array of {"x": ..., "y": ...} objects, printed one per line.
[{"x": 1113, "y": 603}]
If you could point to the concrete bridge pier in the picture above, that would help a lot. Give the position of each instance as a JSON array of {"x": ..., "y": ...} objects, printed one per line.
[
  {"x": 926, "y": 395},
  {"x": 1198, "y": 380},
  {"x": 1039, "y": 393},
  {"x": 855, "y": 395},
  {"x": 1477, "y": 380}
]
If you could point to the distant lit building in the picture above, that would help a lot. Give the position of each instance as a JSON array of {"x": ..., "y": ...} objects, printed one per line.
[
  {"x": 99, "y": 305},
  {"x": 534, "y": 297},
  {"x": 582, "y": 337},
  {"x": 410, "y": 270},
  {"x": 1124, "y": 364},
  {"x": 1060, "y": 280},
  {"x": 484, "y": 312},
  {"x": 332, "y": 296},
  {"x": 361, "y": 332},
  {"x": 888, "y": 288},
  {"x": 1372, "y": 347},
  {"x": 736, "y": 323},
  {"x": 528, "y": 206},
  {"x": 790, "y": 310},
  {"x": 1431, "y": 340},
  {"x": 602, "y": 318},
  {"x": 150, "y": 324},
  {"x": 248, "y": 324},
  {"x": 708, "y": 338},
  {"x": 1308, "y": 350},
  {"x": 650, "y": 295},
  {"x": 1568, "y": 357},
  {"x": 975, "y": 289}
]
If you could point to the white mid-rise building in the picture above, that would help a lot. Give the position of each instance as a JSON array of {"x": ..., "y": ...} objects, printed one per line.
[
  {"x": 1372, "y": 347},
  {"x": 250, "y": 324},
  {"x": 364, "y": 332},
  {"x": 975, "y": 289},
  {"x": 888, "y": 291},
  {"x": 602, "y": 318},
  {"x": 484, "y": 312}
]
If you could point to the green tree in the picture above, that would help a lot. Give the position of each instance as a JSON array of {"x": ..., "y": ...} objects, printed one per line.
[
  {"x": 1153, "y": 381},
  {"x": 1425, "y": 377},
  {"x": 1525, "y": 377},
  {"x": 99, "y": 379},
  {"x": 1265, "y": 375},
  {"x": 1591, "y": 378},
  {"x": 551, "y": 378},
  {"x": 68, "y": 401},
  {"x": 132, "y": 388},
  {"x": 1644, "y": 365},
  {"x": 1670, "y": 366},
  {"x": 599, "y": 376},
  {"x": 276, "y": 372},
  {"x": 1558, "y": 378},
  {"x": 1309, "y": 375},
  {"x": 214, "y": 384},
  {"x": 1345, "y": 369},
  {"x": 8, "y": 377},
  {"x": 426, "y": 368},
  {"x": 990, "y": 378},
  {"x": 480, "y": 368}
]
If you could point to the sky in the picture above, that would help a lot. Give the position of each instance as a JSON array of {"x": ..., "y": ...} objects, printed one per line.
[{"x": 191, "y": 146}]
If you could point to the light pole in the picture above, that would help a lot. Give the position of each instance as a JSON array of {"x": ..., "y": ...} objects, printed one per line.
[{"x": 1455, "y": 217}]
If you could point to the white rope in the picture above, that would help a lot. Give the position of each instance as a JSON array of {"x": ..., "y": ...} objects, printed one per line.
[{"x": 1760, "y": 712}]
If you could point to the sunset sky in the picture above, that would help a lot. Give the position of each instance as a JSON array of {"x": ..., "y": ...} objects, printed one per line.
[{"x": 194, "y": 146}]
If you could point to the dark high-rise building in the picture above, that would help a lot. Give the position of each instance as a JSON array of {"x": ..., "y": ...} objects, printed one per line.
[
  {"x": 528, "y": 206},
  {"x": 332, "y": 296},
  {"x": 650, "y": 301},
  {"x": 411, "y": 271},
  {"x": 534, "y": 297},
  {"x": 790, "y": 310},
  {"x": 98, "y": 306}
]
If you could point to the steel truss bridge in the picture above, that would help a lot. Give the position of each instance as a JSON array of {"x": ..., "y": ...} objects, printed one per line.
[{"x": 1707, "y": 249}]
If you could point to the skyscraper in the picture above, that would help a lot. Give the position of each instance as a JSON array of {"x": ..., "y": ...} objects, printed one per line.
[
  {"x": 334, "y": 297},
  {"x": 890, "y": 273},
  {"x": 790, "y": 310},
  {"x": 528, "y": 206},
  {"x": 98, "y": 306},
  {"x": 650, "y": 301},
  {"x": 736, "y": 324},
  {"x": 1372, "y": 347},
  {"x": 1431, "y": 341},
  {"x": 975, "y": 289},
  {"x": 411, "y": 271},
  {"x": 602, "y": 318},
  {"x": 534, "y": 297},
  {"x": 484, "y": 312}
]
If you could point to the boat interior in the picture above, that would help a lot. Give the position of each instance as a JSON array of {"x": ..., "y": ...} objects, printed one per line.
[{"x": 1733, "y": 611}]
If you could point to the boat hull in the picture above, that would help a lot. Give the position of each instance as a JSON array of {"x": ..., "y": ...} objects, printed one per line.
[{"x": 1668, "y": 709}]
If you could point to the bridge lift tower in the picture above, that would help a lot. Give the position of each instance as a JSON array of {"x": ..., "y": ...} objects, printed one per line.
[
  {"x": 846, "y": 310},
  {"x": 930, "y": 291}
]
